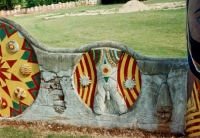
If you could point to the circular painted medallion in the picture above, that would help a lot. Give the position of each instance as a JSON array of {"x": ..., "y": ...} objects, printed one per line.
[
  {"x": 14, "y": 52},
  {"x": 108, "y": 66}
]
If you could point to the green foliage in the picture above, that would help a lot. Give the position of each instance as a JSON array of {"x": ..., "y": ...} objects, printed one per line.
[
  {"x": 28, "y": 3},
  {"x": 33, "y": 3}
]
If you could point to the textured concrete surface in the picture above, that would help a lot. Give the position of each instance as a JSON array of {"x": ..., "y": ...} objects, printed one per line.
[{"x": 164, "y": 84}]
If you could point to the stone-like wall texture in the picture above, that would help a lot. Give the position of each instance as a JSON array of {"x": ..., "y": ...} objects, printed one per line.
[{"x": 104, "y": 84}]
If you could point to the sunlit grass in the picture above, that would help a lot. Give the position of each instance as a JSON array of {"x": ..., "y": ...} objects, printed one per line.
[
  {"x": 158, "y": 33},
  {"x": 161, "y": 1},
  {"x": 9, "y": 132}
]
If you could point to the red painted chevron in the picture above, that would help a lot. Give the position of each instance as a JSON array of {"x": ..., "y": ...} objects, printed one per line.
[
  {"x": 37, "y": 85},
  {"x": 8, "y": 29},
  {"x": 27, "y": 47},
  {"x": 15, "y": 112}
]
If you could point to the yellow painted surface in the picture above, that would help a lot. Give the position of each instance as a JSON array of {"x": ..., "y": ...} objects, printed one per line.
[{"x": 12, "y": 85}]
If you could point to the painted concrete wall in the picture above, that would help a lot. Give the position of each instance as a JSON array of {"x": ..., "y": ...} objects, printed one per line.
[{"x": 102, "y": 84}]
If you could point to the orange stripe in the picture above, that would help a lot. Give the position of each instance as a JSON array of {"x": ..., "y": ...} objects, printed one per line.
[
  {"x": 128, "y": 74},
  {"x": 89, "y": 75},
  {"x": 122, "y": 78},
  {"x": 85, "y": 92},
  {"x": 119, "y": 78}
]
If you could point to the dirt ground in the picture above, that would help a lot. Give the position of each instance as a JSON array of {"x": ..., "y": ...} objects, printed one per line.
[
  {"x": 45, "y": 128},
  {"x": 135, "y": 5},
  {"x": 130, "y": 6}
]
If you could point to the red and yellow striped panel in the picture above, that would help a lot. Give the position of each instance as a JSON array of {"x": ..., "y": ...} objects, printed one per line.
[
  {"x": 127, "y": 68},
  {"x": 86, "y": 67},
  {"x": 193, "y": 113}
]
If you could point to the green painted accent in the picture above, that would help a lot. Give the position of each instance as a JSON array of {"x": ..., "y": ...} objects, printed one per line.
[
  {"x": 10, "y": 29},
  {"x": 2, "y": 34},
  {"x": 35, "y": 93},
  {"x": 15, "y": 106},
  {"x": 99, "y": 55},
  {"x": 23, "y": 108},
  {"x": 93, "y": 54},
  {"x": 29, "y": 54},
  {"x": 28, "y": 46},
  {"x": 26, "y": 55},
  {"x": 105, "y": 62},
  {"x": 33, "y": 58},
  {"x": 14, "y": 113},
  {"x": 119, "y": 54},
  {"x": 30, "y": 84},
  {"x": 113, "y": 56},
  {"x": 106, "y": 79},
  {"x": 19, "y": 109},
  {"x": 37, "y": 79}
]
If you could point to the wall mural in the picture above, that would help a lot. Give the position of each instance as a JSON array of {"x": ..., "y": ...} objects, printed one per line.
[
  {"x": 107, "y": 80},
  {"x": 97, "y": 85},
  {"x": 19, "y": 72}
]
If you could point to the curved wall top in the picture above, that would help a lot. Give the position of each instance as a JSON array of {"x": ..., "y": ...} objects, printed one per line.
[{"x": 104, "y": 84}]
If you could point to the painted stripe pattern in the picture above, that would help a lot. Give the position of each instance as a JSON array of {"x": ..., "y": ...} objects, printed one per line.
[
  {"x": 97, "y": 56},
  {"x": 193, "y": 113},
  {"x": 86, "y": 67},
  {"x": 113, "y": 56},
  {"x": 127, "y": 68}
]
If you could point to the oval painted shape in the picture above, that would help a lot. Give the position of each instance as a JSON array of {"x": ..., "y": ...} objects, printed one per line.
[{"x": 102, "y": 66}]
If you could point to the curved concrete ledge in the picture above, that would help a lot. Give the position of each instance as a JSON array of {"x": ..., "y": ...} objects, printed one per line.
[{"x": 152, "y": 98}]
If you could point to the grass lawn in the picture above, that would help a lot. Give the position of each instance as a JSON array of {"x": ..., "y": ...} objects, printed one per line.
[
  {"x": 158, "y": 33},
  {"x": 10, "y": 132},
  {"x": 161, "y": 1}
]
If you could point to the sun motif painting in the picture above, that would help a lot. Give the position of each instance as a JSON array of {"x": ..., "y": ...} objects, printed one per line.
[
  {"x": 114, "y": 84},
  {"x": 19, "y": 85}
]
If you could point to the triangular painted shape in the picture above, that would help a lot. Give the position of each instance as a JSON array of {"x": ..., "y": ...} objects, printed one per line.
[
  {"x": 106, "y": 79},
  {"x": 14, "y": 78},
  {"x": 11, "y": 62},
  {"x": 5, "y": 88}
]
